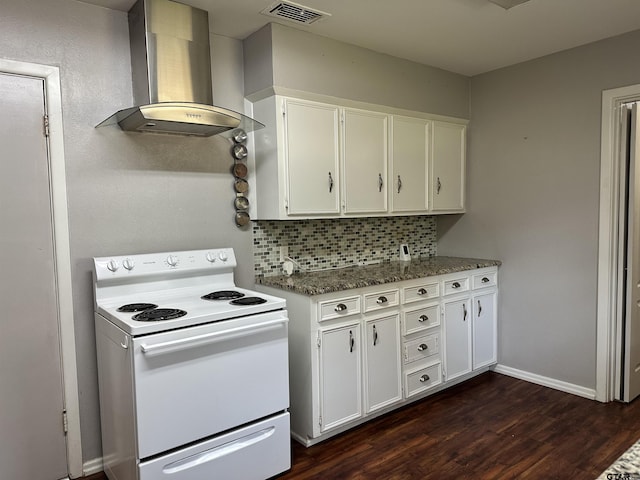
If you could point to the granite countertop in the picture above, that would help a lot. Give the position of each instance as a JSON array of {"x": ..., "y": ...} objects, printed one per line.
[{"x": 328, "y": 281}]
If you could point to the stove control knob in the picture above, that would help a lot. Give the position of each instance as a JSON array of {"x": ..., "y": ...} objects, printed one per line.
[
  {"x": 211, "y": 257},
  {"x": 128, "y": 264},
  {"x": 172, "y": 260},
  {"x": 113, "y": 265},
  {"x": 223, "y": 256}
]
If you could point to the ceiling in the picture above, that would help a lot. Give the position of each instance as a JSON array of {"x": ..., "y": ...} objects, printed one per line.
[{"x": 462, "y": 36}]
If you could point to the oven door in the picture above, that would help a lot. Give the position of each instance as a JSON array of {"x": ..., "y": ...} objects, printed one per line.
[{"x": 199, "y": 381}]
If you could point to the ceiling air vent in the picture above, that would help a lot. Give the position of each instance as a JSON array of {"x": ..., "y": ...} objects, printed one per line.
[{"x": 294, "y": 12}]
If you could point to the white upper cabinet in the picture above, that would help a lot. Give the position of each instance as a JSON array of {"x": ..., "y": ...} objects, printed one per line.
[
  {"x": 409, "y": 164},
  {"x": 312, "y": 157},
  {"x": 448, "y": 166},
  {"x": 321, "y": 160},
  {"x": 365, "y": 161}
]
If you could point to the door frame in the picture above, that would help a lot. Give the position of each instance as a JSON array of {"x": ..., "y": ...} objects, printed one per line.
[
  {"x": 62, "y": 254},
  {"x": 608, "y": 238}
]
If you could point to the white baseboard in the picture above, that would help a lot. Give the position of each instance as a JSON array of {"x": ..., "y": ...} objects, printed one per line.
[
  {"x": 589, "y": 393},
  {"x": 92, "y": 466}
]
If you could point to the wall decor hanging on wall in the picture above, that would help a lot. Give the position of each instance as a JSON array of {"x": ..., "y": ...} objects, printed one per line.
[{"x": 239, "y": 170}]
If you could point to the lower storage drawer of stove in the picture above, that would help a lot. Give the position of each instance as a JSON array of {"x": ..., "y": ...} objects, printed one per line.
[
  {"x": 254, "y": 452},
  {"x": 419, "y": 380}
]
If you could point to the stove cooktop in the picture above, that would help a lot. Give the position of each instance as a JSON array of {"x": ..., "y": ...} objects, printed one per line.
[{"x": 143, "y": 294}]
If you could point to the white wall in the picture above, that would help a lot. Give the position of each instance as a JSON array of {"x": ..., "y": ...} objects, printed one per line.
[
  {"x": 127, "y": 192},
  {"x": 533, "y": 193}
]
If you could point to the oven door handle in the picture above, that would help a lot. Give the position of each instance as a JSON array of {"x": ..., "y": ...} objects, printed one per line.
[{"x": 208, "y": 338}]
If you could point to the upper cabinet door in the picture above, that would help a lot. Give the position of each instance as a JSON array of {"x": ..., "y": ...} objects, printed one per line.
[
  {"x": 448, "y": 160},
  {"x": 409, "y": 164},
  {"x": 365, "y": 161},
  {"x": 312, "y": 157}
]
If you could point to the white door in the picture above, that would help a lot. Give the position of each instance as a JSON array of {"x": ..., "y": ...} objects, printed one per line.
[
  {"x": 312, "y": 158},
  {"x": 448, "y": 160},
  {"x": 457, "y": 337},
  {"x": 484, "y": 329},
  {"x": 409, "y": 159},
  {"x": 340, "y": 377},
  {"x": 32, "y": 440},
  {"x": 365, "y": 161},
  {"x": 631, "y": 330},
  {"x": 383, "y": 362}
]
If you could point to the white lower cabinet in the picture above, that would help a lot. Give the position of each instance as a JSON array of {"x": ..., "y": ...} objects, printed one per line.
[
  {"x": 484, "y": 328},
  {"x": 456, "y": 315},
  {"x": 340, "y": 375},
  {"x": 358, "y": 353},
  {"x": 382, "y": 362}
]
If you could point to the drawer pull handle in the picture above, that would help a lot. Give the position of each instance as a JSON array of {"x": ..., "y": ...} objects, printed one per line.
[
  {"x": 422, "y": 291},
  {"x": 456, "y": 285},
  {"x": 485, "y": 280},
  {"x": 341, "y": 307},
  {"x": 423, "y": 318},
  {"x": 381, "y": 299},
  {"x": 422, "y": 347},
  {"x": 352, "y": 342},
  {"x": 424, "y": 378}
]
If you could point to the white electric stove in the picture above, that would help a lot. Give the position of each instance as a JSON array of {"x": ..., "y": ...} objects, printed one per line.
[{"x": 193, "y": 371}]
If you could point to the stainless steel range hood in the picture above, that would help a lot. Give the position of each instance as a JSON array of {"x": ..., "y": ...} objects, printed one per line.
[{"x": 171, "y": 69}]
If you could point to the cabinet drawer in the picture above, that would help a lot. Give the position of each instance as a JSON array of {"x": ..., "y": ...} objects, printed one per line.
[
  {"x": 421, "y": 348},
  {"x": 456, "y": 285},
  {"x": 421, "y": 292},
  {"x": 339, "y": 308},
  {"x": 420, "y": 319},
  {"x": 483, "y": 280},
  {"x": 417, "y": 381},
  {"x": 378, "y": 300}
]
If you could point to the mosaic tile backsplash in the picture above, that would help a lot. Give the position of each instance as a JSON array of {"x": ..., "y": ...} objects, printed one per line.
[{"x": 333, "y": 243}]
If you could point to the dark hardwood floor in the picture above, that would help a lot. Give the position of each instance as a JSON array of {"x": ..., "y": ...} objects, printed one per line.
[{"x": 490, "y": 427}]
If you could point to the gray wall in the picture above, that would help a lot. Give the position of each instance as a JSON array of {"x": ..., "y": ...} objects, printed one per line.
[
  {"x": 127, "y": 193},
  {"x": 311, "y": 63},
  {"x": 533, "y": 193}
]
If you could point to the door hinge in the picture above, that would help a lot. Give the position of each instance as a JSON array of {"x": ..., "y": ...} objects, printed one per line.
[
  {"x": 45, "y": 125},
  {"x": 320, "y": 420},
  {"x": 319, "y": 342},
  {"x": 65, "y": 422}
]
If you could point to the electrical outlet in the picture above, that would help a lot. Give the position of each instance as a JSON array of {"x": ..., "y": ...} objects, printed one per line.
[{"x": 284, "y": 252}]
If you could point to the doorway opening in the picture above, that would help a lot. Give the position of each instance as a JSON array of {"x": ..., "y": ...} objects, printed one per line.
[{"x": 612, "y": 308}]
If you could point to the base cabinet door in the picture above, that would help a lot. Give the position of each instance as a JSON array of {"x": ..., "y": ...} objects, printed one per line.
[
  {"x": 340, "y": 376},
  {"x": 457, "y": 337},
  {"x": 382, "y": 363},
  {"x": 484, "y": 329}
]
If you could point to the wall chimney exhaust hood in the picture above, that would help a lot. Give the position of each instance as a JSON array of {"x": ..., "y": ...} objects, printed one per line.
[{"x": 171, "y": 69}]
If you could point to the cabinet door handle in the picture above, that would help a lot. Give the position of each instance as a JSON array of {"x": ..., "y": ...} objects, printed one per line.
[
  {"x": 424, "y": 378},
  {"x": 380, "y": 182},
  {"x": 399, "y": 183},
  {"x": 381, "y": 299},
  {"x": 375, "y": 336},
  {"x": 485, "y": 280},
  {"x": 330, "y": 183},
  {"x": 422, "y": 291},
  {"x": 341, "y": 307},
  {"x": 479, "y": 308},
  {"x": 423, "y": 318},
  {"x": 456, "y": 285},
  {"x": 422, "y": 347},
  {"x": 464, "y": 310},
  {"x": 439, "y": 186},
  {"x": 352, "y": 342}
]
